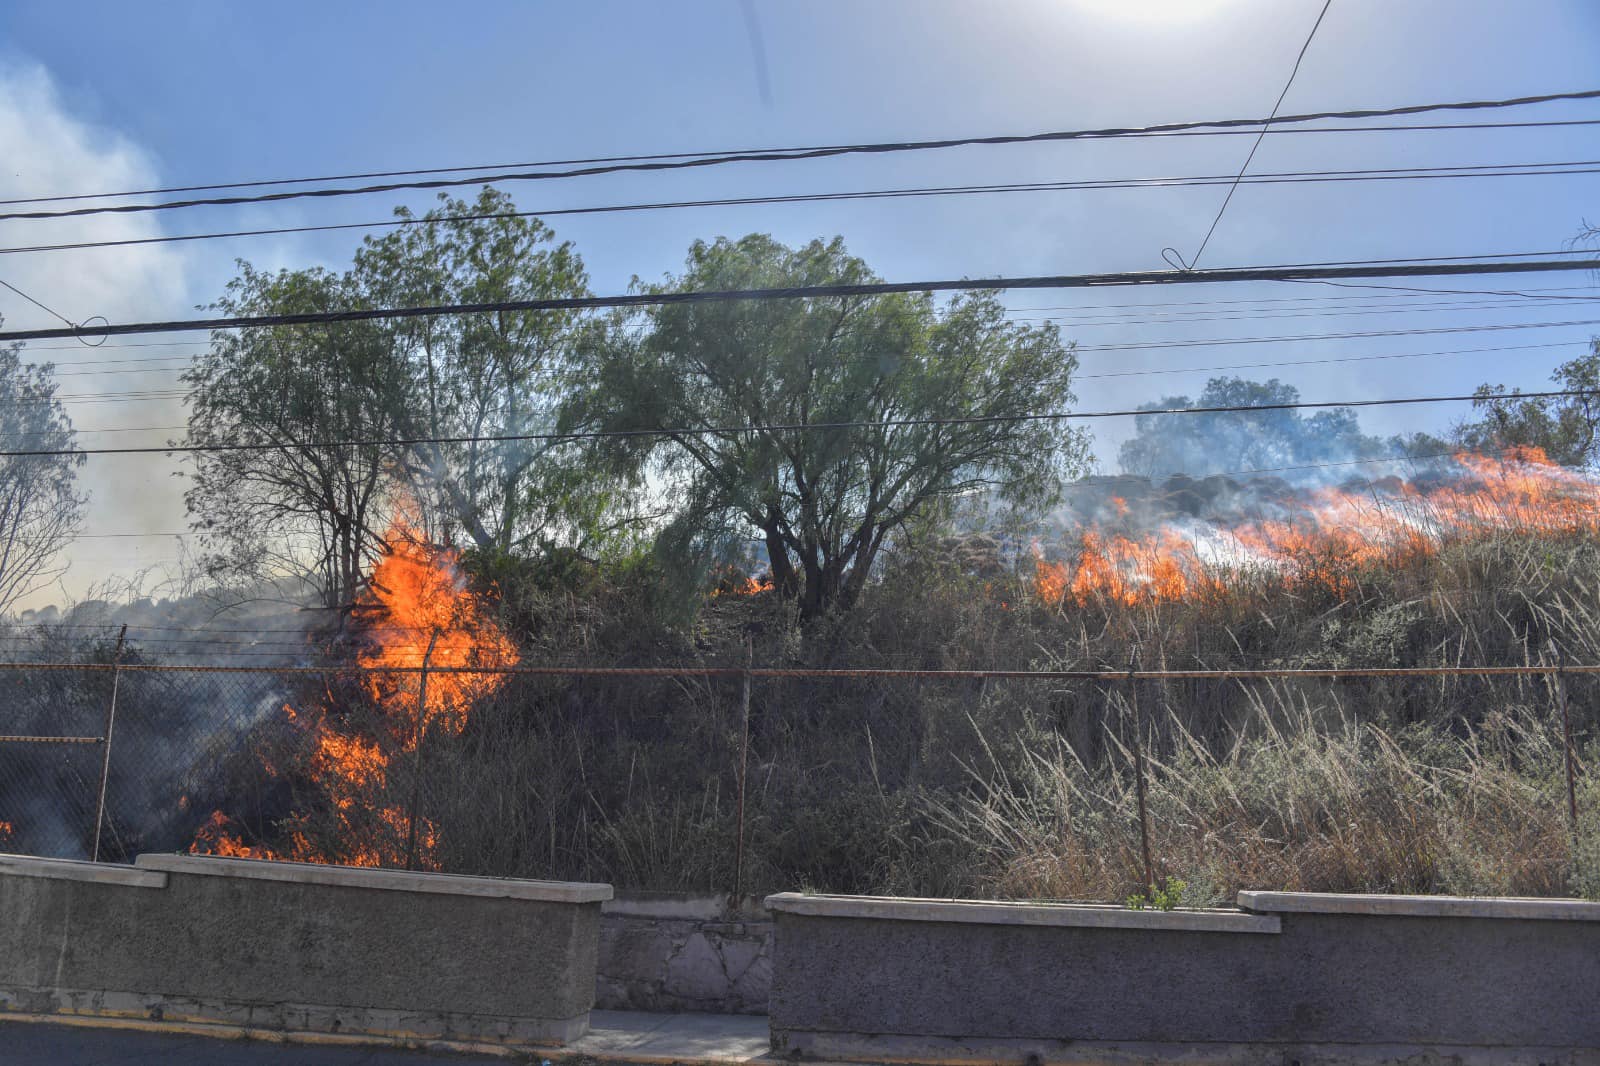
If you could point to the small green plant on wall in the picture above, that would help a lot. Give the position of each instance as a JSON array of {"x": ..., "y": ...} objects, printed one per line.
[{"x": 1166, "y": 896}]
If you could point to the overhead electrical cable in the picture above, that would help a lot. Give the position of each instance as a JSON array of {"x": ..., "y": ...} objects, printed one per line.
[
  {"x": 1322, "y": 362},
  {"x": 175, "y": 392},
  {"x": 790, "y": 155},
  {"x": 1401, "y": 290},
  {"x": 1352, "y": 335},
  {"x": 792, "y": 427},
  {"x": 1486, "y": 170},
  {"x": 43, "y": 307},
  {"x": 179, "y": 362},
  {"x": 1194, "y": 260},
  {"x": 1149, "y": 372},
  {"x": 1133, "y": 134},
  {"x": 656, "y": 299},
  {"x": 1336, "y": 305}
]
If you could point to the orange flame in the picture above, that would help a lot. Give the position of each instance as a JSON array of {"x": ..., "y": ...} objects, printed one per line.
[
  {"x": 7, "y": 831},
  {"x": 730, "y": 582},
  {"x": 218, "y": 836},
  {"x": 1331, "y": 534},
  {"x": 418, "y": 611}
]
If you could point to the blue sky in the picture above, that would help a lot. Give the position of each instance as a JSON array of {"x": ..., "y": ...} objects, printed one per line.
[{"x": 95, "y": 96}]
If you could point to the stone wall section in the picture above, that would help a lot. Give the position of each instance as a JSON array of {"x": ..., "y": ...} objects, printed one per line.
[{"x": 683, "y": 953}]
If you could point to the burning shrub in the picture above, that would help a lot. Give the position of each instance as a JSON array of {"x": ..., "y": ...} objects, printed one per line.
[{"x": 421, "y": 631}]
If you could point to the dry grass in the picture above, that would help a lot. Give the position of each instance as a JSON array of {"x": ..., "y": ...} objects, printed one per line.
[
  {"x": 1299, "y": 806},
  {"x": 1023, "y": 789}
]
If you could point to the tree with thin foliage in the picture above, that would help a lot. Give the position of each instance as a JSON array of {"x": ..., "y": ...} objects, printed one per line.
[
  {"x": 918, "y": 404},
  {"x": 301, "y": 479},
  {"x": 450, "y": 413},
  {"x": 1565, "y": 427},
  {"x": 41, "y": 509},
  {"x": 501, "y": 375}
]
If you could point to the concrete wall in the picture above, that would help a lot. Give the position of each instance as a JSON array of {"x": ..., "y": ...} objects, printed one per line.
[
  {"x": 663, "y": 951},
  {"x": 300, "y": 947},
  {"x": 1289, "y": 978}
]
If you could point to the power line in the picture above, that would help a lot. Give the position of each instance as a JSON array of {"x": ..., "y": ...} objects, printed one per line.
[
  {"x": 790, "y": 155},
  {"x": 1330, "y": 673},
  {"x": 265, "y": 183},
  {"x": 1402, "y": 294},
  {"x": 179, "y": 363},
  {"x": 1352, "y": 335},
  {"x": 1184, "y": 318},
  {"x": 655, "y": 299},
  {"x": 788, "y": 427},
  {"x": 174, "y": 393},
  {"x": 1080, "y": 377},
  {"x": 1485, "y": 170},
  {"x": 1320, "y": 362},
  {"x": 36, "y": 303},
  {"x": 1195, "y": 261},
  {"x": 1401, "y": 290}
]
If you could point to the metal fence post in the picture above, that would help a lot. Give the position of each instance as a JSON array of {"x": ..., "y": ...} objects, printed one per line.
[
  {"x": 744, "y": 764},
  {"x": 416, "y": 766},
  {"x": 105, "y": 762},
  {"x": 1566, "y": 738},
  {"x": 1139, "y": 771}
]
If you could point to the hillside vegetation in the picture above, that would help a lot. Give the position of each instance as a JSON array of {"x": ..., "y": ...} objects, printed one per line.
[{"x": 1024, "y": 788}]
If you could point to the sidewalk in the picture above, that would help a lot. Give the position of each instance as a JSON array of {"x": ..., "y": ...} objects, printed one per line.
[
  {"x": 614, "y": 1036},
  {"x": 633, "y": 1036}
]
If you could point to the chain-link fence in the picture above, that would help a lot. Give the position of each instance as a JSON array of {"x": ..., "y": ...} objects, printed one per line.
[{"x": 741, "y": 780}]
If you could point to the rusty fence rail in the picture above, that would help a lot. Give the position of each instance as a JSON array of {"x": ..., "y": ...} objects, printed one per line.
[{"x": 823, "y": 673}]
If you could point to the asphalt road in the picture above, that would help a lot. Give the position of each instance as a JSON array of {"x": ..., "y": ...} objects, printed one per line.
[{"x": 32, "y": 1044}]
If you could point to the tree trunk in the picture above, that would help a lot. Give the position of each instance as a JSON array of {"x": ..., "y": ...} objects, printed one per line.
[{"x": 784, "y": 577}]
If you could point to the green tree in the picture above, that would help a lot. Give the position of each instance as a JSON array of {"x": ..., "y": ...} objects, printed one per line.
[
  {"x": 40, "y": 506},
  {"x": 1564, "y": 426},
  {"x": 500, "y": 374},
  {"x": 921, "y": 404},
  {"x": 287, "y": 492}
]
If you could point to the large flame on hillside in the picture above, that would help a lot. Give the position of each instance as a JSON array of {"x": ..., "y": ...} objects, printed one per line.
[
  {"x": 417, "y": 611},
  {"x": 1325, "y": 537}
]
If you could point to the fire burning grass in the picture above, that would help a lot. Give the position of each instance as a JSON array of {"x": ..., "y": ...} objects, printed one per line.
[
  {"x": 1325, "y": 538},
  {"x": 416, "y": 612},
  {"x": 345, "y": 781}
]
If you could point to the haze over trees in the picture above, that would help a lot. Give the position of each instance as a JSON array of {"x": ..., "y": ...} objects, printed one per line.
[
  {"x": 924, "y": 403},
  {"x": 309, "y": 478},
  {"x": 41, "y": 509},
  {"x": 1243, "y": 442}
]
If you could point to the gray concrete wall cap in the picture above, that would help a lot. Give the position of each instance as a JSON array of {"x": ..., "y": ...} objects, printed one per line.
[
  {"x": 685, "y": 906},
  {"x": 983, "y": 912},
  {"x": 391, "y": 880},
  {"x": 1572, "y": 910},
  {"x": 77, "y": 870}
]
